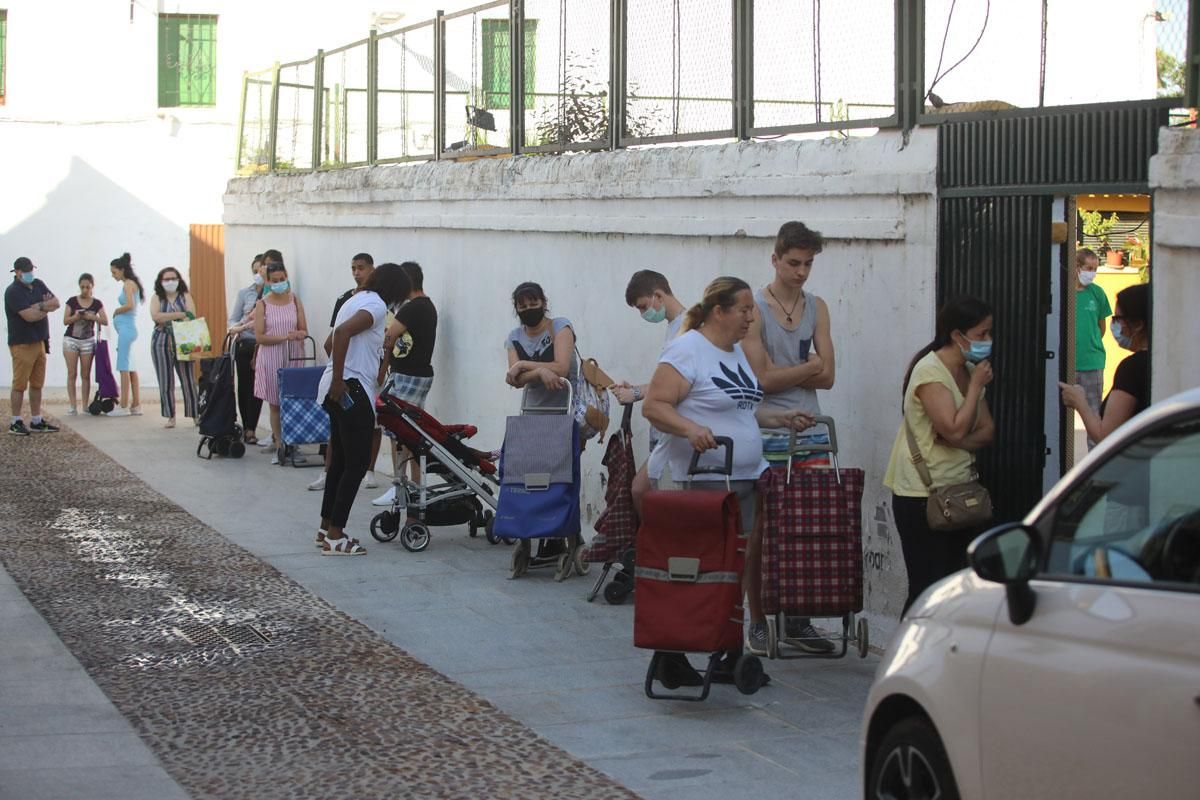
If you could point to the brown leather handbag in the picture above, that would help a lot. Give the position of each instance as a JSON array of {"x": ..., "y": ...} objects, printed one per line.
[{"x": 954, "y": 507}]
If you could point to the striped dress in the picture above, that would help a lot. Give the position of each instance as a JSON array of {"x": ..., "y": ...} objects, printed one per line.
[{"x": 271, "y": 358}]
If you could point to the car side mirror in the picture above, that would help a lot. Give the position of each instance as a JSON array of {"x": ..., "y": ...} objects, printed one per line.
[{"x": 1009, "y": 554}]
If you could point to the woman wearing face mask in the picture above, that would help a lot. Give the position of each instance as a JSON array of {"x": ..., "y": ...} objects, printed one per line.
[
  {"x": 175, "y": 304},
  {"x": 541, "y": 351},
  {"x": 81, "y": 317},
  {"x": 278, "y": 321},
  {"x": 1130, "y": 393},
  {"x": 241, "y": 322},
  {"x": 125, "y": 323},
  {"x": 944, "y": 406}
]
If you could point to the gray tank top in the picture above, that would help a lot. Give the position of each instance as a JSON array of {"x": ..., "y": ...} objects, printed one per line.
[{"x": 787, "y": 349}]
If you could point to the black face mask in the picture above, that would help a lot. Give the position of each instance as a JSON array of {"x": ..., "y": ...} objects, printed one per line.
[{"x": 532, "y": 316}]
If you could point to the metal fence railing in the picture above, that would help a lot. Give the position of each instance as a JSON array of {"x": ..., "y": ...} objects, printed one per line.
[{"x": 537, "y": 76}]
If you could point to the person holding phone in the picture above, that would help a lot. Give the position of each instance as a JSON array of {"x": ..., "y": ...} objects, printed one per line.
[
  {"x": 348, "y": 391},
  {"x": 84, "y": 314}
]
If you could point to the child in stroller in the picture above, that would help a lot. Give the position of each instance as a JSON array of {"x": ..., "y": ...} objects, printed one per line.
[{"x": 465, "y": 492}]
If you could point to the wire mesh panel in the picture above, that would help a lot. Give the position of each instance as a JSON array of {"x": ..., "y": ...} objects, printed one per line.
[
  {"x": 828, "y": 62},
  {"x": 406, "y": 93},
  {"x": 477, "y": 79},
  {"x": 294, "y": 126},
  {"x": 679, "y": 69},
  {"x": 344, "y": 106},
  {"x": 566, "y": 72},
  {"x": 254, "y": 153}
]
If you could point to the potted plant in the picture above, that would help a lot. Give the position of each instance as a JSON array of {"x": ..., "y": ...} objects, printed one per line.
[{"x": 1096, "y": 224}]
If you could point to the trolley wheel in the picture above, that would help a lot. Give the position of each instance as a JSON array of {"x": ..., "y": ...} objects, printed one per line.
[
  {"x": 220, "y": 446},
  {"x": 487, "y": 528},
  {"x": 616, "y": 593},
  {"x": 863, "y": 632},
  {"x": 520, "y": 559},
  {"x": 107, "y": 404},
  {"x": 581, "y": 566},
  {"x": 211, "y": 444},
  {"x": 563, "y": 570},
  {"x": 385, "y": 525},
  {"x": 415, "y": 537},
  {"x": 237, "y": 449},
  {"x": 748, "y": 674}
]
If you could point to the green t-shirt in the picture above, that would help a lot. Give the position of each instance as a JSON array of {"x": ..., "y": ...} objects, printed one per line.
[{"x": 1091, "y": 306}]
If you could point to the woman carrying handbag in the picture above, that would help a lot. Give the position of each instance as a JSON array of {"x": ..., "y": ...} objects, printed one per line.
[{"x": 937, "y": 500}]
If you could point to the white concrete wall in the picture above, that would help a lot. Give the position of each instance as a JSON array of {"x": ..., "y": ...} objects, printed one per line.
[
  {"x": 1175, "y": 178},
  {"x": 582, "y": 224}
]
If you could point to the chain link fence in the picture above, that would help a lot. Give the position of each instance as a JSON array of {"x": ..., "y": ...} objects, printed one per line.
[{"x": 472, "y": 83}]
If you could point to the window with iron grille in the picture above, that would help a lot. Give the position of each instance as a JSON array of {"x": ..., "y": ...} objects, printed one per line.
[
  {"x": 496, "y": 48},
  {"x": 187, "y": 60},
  {"x": 3, "y": 52}
]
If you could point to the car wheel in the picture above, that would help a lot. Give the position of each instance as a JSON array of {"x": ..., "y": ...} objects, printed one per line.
[{"x": 910, "y": 763}]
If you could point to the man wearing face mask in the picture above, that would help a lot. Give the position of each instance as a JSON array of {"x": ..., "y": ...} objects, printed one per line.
[
  {"x": 650, "y": 293},
  {"x": 1091, "y": 312},
  {"x": 241, "y": 322},
  {"x": 27, "y": 303}
]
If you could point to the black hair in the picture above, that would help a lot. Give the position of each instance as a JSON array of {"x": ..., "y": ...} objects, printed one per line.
[
  {"x": 87, "y": 276},
  {"x": 415, "y": 275},
  {"x": 158, "y": 287},
  {"x": 364, "y": 257},
  {"x": 390, "y": 283},
  {"x": 256, "y": 260},
  {"x": 958, "y": 314},
  {"x": 721, "y": 293},
  {"x": 276, "y": 266},
  {"x": 798, "y": 236},
  {"x": 1135, "y": 304},
  {"x": 529, "y": 291},
  {"x": 644, "y": 283},
  {"x": 272, "y": 255},
  {"x": 125, "y": 264}
]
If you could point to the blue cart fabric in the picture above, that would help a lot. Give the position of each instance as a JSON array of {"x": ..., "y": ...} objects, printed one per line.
[
  {"x": 539, "y": 478},
  {"x": 301, "y": 418}
]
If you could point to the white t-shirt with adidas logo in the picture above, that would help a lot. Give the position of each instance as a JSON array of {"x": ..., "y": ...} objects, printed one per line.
[{"x": 723, "y": 398}]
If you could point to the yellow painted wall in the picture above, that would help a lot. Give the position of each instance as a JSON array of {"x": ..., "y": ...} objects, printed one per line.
[{"x": 1112, "y": 282}]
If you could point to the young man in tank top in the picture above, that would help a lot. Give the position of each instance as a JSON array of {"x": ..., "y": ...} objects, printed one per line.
[{"x": 791, "y": 350}]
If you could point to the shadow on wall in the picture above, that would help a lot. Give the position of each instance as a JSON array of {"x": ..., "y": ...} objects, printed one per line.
[{"x": 80, "y": 225}]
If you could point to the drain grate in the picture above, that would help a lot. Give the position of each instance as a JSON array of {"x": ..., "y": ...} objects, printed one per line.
[{"x": 204, "y": 635}]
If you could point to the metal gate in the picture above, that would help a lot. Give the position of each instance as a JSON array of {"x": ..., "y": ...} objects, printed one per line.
[{"x": 998, "y": 249}]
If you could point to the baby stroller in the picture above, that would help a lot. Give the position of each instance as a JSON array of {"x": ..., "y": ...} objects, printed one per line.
[
  {"x": 467, "y": 485},
  {"x": 106, "y": 385},
  {"x": 219, "y": 431}
]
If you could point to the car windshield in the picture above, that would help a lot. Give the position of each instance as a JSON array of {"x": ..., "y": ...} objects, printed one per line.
[{"x": 1137, "y": 517}]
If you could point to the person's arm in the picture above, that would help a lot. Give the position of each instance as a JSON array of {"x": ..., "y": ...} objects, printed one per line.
[
  {"x": 985, "y": 430},
  {"x": 950, "y": 424},
  {"x": 71, "y": 315},
  {"x": 628, "y": 393},
  {"x": 342, "y": 334},
  {"x": 131, "y": 298},
  {"x": 235, "y": 316},
  {"x": 1118, "y": 409},
  {"x": 822, "y": 344},
  {"x": 393, "y": 334},
  {"x": 301, "y": 331},
  {"x": 783, "y": 419},
  {"x": 49, "y": 301},
  {"x": 101, "y": 314},
  {"x": 260, "y": 325},
  {"x": 160, "y": 317},
  {"x": 35, "y": 313},
  {"x": 551, "y": 374},
  {"x": 1103, "y": 326},
  {"x": 772, "y": 378},
  {"x": 667, "y": 390}
]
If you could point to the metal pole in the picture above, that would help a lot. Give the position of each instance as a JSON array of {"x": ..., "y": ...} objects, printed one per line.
[
  {"x": 516, "y": 80},
  {"x": 271, "y": 138},
  {"x": 910, "y": 61},
  {"x": 743, "y": 68},
  {"x": 372, "y": 96},
  {"x": 616, "y": 69},
  {"x": 237, "y": 159},
  {"x": 1191, "y": 77},
  {"x": 439, "y": 84},
  {"x": 318, "y": 127}
]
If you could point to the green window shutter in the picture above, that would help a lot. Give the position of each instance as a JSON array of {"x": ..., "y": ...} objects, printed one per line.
[
  {"x": 187, "y": 66},
  {"x": 496, "y": 66},
  {"x": 3, "y": 52}
]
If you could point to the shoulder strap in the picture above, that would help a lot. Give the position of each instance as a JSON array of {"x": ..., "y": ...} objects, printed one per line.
[{"x": 915, "y": 456}]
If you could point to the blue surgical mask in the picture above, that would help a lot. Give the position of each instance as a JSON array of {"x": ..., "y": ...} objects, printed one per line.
[
  {"x": 655, "y": 315},
  {"x": 1122, "y": 338},
  {"x": 26, "y": 278},
  {"x": 258, "y": 279},
  {"x": 281, "y": 287},
  {"x": 979, "y": 351}
]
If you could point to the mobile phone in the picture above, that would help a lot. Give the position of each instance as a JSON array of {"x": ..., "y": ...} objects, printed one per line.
[{"x": 347, "y": 402}]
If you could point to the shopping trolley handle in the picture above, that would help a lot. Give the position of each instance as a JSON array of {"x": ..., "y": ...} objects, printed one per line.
[
  {"x": 725, "y": 469},
  {"x": 816, "y": 447}
]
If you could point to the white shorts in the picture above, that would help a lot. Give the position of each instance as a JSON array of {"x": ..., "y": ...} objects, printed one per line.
[{"x": 84, "y": 346}]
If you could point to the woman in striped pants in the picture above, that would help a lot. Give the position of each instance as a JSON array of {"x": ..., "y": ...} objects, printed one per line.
[{"x": 174, "y": 304}]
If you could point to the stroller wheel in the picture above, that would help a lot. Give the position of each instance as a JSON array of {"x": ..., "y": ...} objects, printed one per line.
[
  {"x": 615, "y": 593},
  {"x": 563, "y": 570},
  {"x": 237, "y": 449},
  {"x": 414, "y": 537},
  {"x": 107, "y": 405},
  {"x": 748, "y": 674},
  {"x": 385, "y": 525},
  {"x": 864, "y": 637},
  {"x": 520, "y": 559},
  {"x": 581, "y": 566}
]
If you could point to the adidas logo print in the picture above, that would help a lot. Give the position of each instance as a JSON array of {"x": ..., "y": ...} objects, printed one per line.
[{"x": 740, "y": 386}]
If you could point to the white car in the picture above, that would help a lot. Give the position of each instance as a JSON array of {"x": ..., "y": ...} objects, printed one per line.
[{"x": 1066, "y": 662}]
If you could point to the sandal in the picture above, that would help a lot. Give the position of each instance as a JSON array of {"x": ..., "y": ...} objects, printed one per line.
[
  {"x": 342, "y": 546},
  {"x": 170, "y": 423},
  {"x": 250, "y": 438},
  {"x": 321, "y": 538}
]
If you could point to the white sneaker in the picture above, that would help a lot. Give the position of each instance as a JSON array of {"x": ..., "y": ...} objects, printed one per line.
[
  {"x": 369, "y": 481},
  {"x": 387, "y": 498},
  {"x": 72, "y": 412},
  {"x": 266, "y": 444},
  {"x": 318, "y": 485},
  {"x": 275, "y": 458},
  {"x": 119, "y": 411},
  {"x": 135, "y": 411}
]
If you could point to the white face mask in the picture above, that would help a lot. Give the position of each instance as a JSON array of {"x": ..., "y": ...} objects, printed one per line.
[
  {"x": 170, "y": 286},
  {"x": 258, "y": 279},
  {"x": 1086, "y": 277}
]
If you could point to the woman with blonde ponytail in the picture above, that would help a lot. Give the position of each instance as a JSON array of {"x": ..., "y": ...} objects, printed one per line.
[{"x": 704, "y": 388}]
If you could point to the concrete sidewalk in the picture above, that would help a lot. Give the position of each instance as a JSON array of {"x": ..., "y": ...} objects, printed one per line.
[{"x": 534, "y": 648}]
